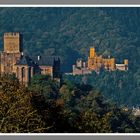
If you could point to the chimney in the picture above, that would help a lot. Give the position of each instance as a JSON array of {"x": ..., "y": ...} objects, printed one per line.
[
  {"x": 38, "y": 57},
  {"x": 84, "y": 64},
  {"x": 73, "y": 67}
]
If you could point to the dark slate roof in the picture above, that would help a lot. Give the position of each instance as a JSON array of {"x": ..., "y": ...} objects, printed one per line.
[
  {"x": 46, "y": 60},
  {"x": 25, "y": 60}
]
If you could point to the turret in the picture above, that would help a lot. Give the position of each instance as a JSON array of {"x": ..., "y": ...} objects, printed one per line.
[
  {"x": 126, "y": 61},
  {"x": 126, "y": 64},
  {"x": 79, "y": 63},
  {"x": 92, "y": 53}
]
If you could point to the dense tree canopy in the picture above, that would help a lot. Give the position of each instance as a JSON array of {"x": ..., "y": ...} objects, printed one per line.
[
  {"x": 16, "y": 111},
  {"x": 69, "y": 32},
  {"x": 74, "y": 108},
  {"x": 81, "y": 103},
  {"x": 120, "y": 87}
]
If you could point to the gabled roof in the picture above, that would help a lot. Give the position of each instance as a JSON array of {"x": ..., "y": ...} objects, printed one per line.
[
  {"x": 25, "y": 60},
  {"x": 38, "y": 61},
  {"x": 46, "y": 61}
]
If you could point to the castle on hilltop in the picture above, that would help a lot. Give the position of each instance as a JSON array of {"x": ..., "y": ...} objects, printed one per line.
[
  {"x": 96, "y": 63},
  {"x": 12, "y": 60}
]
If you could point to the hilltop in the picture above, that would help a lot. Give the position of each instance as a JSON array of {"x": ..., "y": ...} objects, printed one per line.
[{"x": 70, "y": 32}]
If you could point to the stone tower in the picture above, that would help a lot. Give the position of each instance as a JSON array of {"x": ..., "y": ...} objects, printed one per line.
[
  {"x": 11, "y": 52},
  {"x": 12, "y": 43},
  {"x": 12, "y": 60}
]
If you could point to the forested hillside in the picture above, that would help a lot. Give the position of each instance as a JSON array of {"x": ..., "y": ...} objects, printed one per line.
[
  {"x": 47, "y": 107},
  {"x": 69, "y": 32}
]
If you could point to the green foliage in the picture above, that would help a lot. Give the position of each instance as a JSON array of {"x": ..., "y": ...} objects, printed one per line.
[
  {"x": 74, "y": 108},
  {"x": 122, "y": 122},
  {"x": 69, "y": 32},
  {"x": 120, "y": 87},
  {"x": 90, "y": 112},
  {"x": 44, "y": 84},
  {"x": 90, "y": 122},
  {"x": 46, "y": 101},
  {"x": 16, "y": 111}
]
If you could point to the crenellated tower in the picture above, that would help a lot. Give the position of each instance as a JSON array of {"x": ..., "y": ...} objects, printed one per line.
[
  {"x": 11, "y": 52},
  {"x": 12, "y": 43}
]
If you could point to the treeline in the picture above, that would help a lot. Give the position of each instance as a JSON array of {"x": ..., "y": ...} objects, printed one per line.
[{"x": 46, "y": 106}]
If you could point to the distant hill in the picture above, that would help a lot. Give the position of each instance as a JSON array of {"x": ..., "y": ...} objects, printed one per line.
[{"x": 69, "y": 32}]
